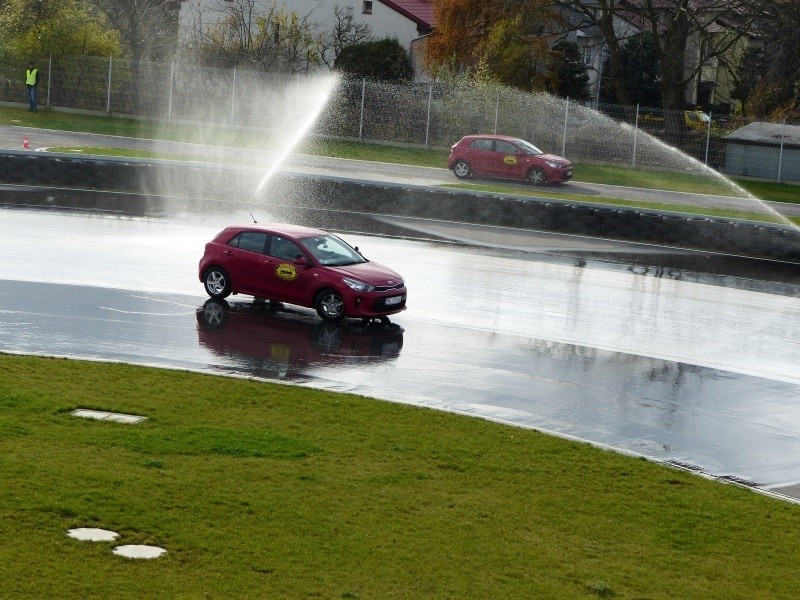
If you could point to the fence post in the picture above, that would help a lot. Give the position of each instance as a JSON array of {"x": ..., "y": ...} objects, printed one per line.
[
  {"x": 361, "y": 116},
  {"x": 233, "y": 94},
  {"x": 108, "y": 98},
  {"x": 708, "y": 138},
  {"x": 428, "y": 121},
  {"x": 171, "y": 79},
  {"x": 635, "y": 135},
  {"x": 49, "y": 78},
  {"x": 780, "y": 155},
  {"x": 496, "y": 112},
  {"x": 564, "y": 138}
]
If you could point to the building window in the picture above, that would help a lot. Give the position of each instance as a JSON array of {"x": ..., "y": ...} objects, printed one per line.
[
  {"x": 367, "y": 7},
  {"x": 587, "y": 55}
]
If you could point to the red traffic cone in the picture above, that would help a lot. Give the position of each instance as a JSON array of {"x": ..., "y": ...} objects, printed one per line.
[{"x": 25, "y": 142}]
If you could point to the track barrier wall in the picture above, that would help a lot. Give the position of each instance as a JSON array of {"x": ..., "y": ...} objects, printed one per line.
[{"x": 153, "y": 188}]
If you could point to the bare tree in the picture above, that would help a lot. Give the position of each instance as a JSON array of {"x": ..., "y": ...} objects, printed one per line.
[
  {"x": 768, "y": 76},
  {"x": 248, "y": 32},
  {"x": 346, "y": 33},
  {"x": 687, "y": 35},
  {"x": 147, "y": 28}
]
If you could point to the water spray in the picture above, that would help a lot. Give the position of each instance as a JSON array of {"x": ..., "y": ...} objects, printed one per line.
[{"x": 302, "y": 113}]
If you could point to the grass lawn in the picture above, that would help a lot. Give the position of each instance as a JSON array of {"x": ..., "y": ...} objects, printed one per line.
[{"x": 258, "y": 490}]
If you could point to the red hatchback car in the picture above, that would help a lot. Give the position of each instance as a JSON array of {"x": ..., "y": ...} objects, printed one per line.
[
  {"x": 302, "y": 266},
  {"x": 506, "y": 157}
]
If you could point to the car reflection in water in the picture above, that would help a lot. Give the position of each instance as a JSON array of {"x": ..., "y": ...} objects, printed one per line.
[{"x": 265, "y": 340}]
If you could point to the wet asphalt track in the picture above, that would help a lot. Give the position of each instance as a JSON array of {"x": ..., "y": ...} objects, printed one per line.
[
  {"x": 678, "y": 356},
  {"x": 550, "y": 332}
]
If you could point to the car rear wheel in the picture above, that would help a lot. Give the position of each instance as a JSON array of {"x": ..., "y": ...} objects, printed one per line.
[
  {"x": 537, "y": 176},
  {"x": 461, "y": 169},
  {"x": 330, "y": 305},
  {"x": 217, "y": 282}
]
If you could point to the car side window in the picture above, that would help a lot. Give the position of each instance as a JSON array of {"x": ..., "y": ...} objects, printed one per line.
[
  {"x": 505, "y": 147},
  {"x": 481, "y": 144},
  {"x": 284, "y": 249},
  {"x": 250, "y": 240}
]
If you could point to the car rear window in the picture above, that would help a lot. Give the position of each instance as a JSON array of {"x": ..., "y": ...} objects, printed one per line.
[
  {"x": 482, "y": 144},
  {"x": 249, "y": 240}
]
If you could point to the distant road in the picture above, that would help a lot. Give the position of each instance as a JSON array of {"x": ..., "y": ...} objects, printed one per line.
[{"x": 11, "y": 138}]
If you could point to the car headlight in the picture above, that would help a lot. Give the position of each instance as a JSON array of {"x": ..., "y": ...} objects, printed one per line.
[
  {"x": 552, "y": 164},
  {"x": 358, "y": 286}
]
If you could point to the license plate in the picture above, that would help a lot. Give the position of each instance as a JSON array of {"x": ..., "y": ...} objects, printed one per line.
[
  {"x": 393, "y": 300},
  {"x": 569, "y": 173}
]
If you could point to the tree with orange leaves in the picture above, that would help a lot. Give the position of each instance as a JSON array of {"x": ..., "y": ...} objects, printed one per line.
[{"x": 509, "y": 39}]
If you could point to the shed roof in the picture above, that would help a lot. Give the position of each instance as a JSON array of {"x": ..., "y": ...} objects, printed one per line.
[{"x": 760, "y": 133}]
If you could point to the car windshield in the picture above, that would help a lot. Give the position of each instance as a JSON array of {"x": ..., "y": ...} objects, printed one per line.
[
  {"x": 329, "y": 250},
  {"x": 528, "y": 148}
]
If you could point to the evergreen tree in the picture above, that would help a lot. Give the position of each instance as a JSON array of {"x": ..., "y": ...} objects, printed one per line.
[
  {"x": 569, "y": 76},
  {"x": 642, "y": 73},
  {"x": 384, "y": 60}
]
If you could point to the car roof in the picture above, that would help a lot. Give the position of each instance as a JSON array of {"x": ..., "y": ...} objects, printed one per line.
[
  {"x": 492, "y": 136},
  {"x": 286, "y": 228}
]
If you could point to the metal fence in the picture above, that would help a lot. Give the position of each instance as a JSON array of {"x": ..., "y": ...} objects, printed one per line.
[{"x": 418, "y": 114}]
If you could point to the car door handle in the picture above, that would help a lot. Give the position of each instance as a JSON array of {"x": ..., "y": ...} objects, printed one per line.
[{"x": 228, "y": 253}]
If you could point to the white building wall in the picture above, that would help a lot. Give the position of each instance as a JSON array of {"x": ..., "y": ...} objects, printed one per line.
[{"x": 197, "y": 16}]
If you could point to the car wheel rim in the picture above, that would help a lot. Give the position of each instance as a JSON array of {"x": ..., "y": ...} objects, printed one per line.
[
  {"x": 332, "y": 305},
  {"x": 215, "y": 282},
  {"x": 461, "y": 169}
]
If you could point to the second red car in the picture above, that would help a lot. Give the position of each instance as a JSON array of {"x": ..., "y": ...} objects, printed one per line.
[{"x": 508, "y": 158}]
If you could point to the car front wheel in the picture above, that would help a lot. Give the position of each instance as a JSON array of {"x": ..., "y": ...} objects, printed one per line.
[
  {"x": 461, "y": 169},
  {"x": 330, "y": 305},
  {"x": 217, "y": 283},
  {"x": 537, "y": 176}
]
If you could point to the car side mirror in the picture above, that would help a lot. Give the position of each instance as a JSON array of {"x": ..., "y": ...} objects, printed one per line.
[{"x": 301, "y": 260}]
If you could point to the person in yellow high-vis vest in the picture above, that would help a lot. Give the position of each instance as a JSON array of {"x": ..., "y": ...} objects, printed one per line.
[{"x": 32, "y": 81}]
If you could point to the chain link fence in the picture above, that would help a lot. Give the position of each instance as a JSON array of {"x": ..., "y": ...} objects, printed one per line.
[{"x": 425, "y": 115}]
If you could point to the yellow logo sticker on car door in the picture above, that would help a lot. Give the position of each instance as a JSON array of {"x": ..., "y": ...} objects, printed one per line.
[
  {"x": 286, "y": 272},
  {"x": 510, "y": 159}
]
